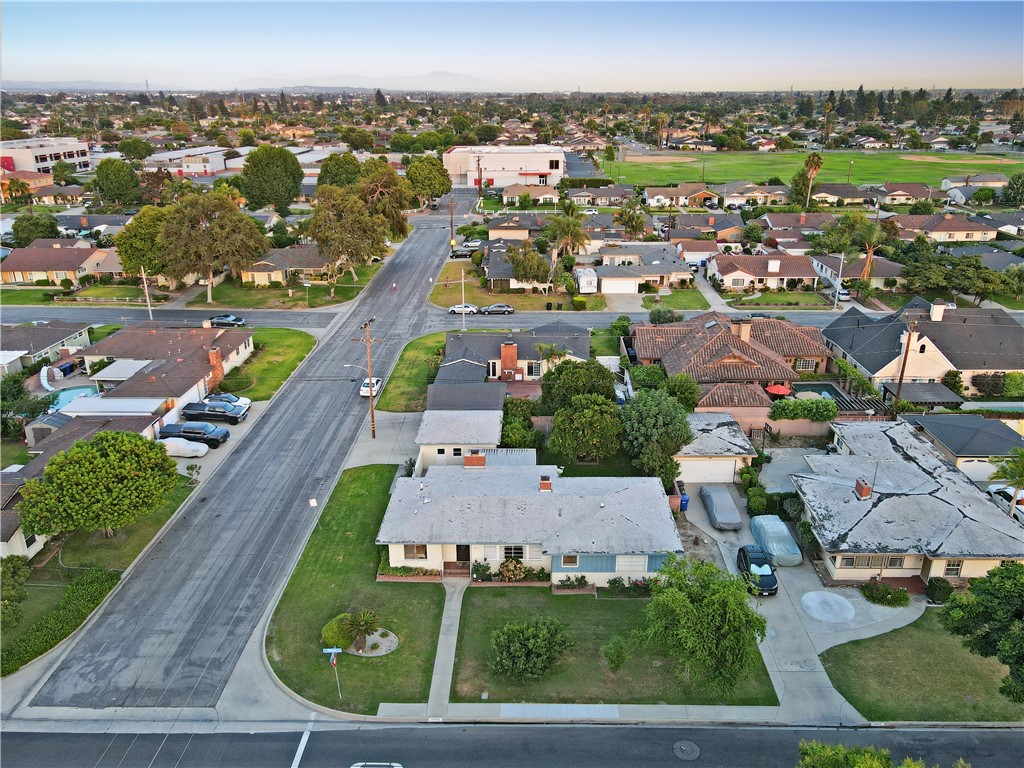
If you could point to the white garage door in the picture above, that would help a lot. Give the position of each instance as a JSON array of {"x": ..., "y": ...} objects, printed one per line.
[
  {"x": 708, "y": 470},
  {"x": 978, "y": 470},
  {"x": 612, "y": 285}
]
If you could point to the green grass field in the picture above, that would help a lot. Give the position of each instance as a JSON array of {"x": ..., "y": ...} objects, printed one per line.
[
  {"x": 13, "y": 452},
  {"x": 805, "y": 299},
  {"x": 603, "y": 342},
  {"x": 232, "y": 294},
  {"x": 618, "y": 465},
  {"x": 448, "y": 291},
  {"x": 268, "y": 368},
  {"x": 337, "y": 573},
  {"x": 12, "y": 296},
  {"x": 919, "y": 672},
  {"x": 112, "y": 292},
  {"x": 405, "y": 391},
  {"x": 868, "y": 167},
  {"x": 101, "y": 332},
  {"x": 581, "y": 676},
  {"x": 685, "y": 298}
]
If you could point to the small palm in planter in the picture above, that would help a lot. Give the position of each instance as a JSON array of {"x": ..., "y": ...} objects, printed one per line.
[{"x": 359, "y": 625}]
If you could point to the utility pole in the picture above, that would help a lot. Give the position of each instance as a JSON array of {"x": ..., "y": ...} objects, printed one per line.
[
  {"x": 849, "y": 172},
  {"x": 903, "y": 365},
  {"x": 479, "y": 178},
  {"x": 451, "y": 223},
  {"x": 462, "y": 282},
  {"x": 145, "y": 289},
  {"x": 839, "y": 285},
  {"x": 369, "y": 370}
]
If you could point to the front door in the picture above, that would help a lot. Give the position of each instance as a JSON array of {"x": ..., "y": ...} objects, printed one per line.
[{"x": 462, "y": 553}]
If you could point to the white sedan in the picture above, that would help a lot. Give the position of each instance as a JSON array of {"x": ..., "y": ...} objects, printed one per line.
[
  {"x": 182, "y": 448},
  {"x": 590, "y": 212},
  {"x": 364, "y": 388},
  {"x": 463, "y": 309},
  {"x": 472, "y": 244}
]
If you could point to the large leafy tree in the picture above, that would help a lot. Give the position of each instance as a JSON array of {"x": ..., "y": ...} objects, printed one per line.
[
  {"x": 134, "y": 149},
  {"x": 63, "y": 173},
  {"x": 140, "y": 245},
  {"x": 528, "y": 264},
  {"x": 1013, "y": 192},
  {"x": 570, "y": 378},
  {"x": 684, "y": 389},
  {"x": 385, "y": 193},
  {"x": 152, "y": 184},
  {"x": 206, "y": 232},
  {"x": 589, "y": 428},
  {"x": 346, "y": 233},
  {"x": 106, "y": 482},
  {"x": 338, "y": 170},
  {"x": 704, "y": 616},
  {"x": 271, "y": 176},
  {"x": 116, "y": 182},
  {"x": 1013, "y": 278},
  {"x": 428, "y": 177},
  {"x": 29, "y": 227},
  {"x": 654, "y": 417},
  {"x": 18, "y": 405},
  {"x": 990, "y": 619}
]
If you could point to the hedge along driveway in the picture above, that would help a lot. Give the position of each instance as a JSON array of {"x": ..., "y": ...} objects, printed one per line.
[{"x": 336, "y": 574}]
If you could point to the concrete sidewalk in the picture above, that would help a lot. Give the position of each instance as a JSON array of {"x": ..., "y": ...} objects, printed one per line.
[
  {"x": 444, "y": 660},
  {"x": 718, "y": 304}
]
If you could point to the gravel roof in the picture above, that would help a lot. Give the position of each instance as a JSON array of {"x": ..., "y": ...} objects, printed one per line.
[
  {"x": 716, "y": 434},
  {"x": 460, "y": 427}
]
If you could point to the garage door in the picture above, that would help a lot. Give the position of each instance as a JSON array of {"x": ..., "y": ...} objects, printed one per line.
[
  {"x": 708, "y": 470},
  {"x": 612, "y": 285},
  {"x": 979, "y": 470}
]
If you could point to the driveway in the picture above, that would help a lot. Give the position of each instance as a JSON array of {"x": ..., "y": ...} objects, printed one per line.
[
  {"x": 624, "y": 303},
  {"x": 786, "y": 462}
]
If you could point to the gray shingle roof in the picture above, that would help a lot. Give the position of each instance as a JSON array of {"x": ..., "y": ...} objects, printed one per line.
[
  {"x": 969, "y": 435},
  {"x": 449, "y": 395}
]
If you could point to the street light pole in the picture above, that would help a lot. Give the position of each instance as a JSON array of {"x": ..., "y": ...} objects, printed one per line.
[
  {"x": 462, "y": 282},
  {"x": 307, "y": 284},
  {"x": 145, "y": 289},
  {"x": 369, "y": 370},
  {"x": 451, "y": 223}
]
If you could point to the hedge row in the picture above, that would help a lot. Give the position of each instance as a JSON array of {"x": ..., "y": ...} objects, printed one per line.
[
  {"x": 815, "y": 410},
  {"x": 79, "y": 600}
]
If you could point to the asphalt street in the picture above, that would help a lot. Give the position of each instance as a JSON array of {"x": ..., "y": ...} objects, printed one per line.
[{"x": 483, "y": 746}]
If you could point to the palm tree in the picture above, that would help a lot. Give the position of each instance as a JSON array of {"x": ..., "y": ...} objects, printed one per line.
[
  {"x": 570, "y": 208},
  {"x": 1010, "y": 470},
  {"x": 812, "y": 165},
  {"x": 868, "y": 235},
  {"x": 567, "y": 234},
  {"x": 359, "y": 625},
  {"x": 17, "y": 189}
]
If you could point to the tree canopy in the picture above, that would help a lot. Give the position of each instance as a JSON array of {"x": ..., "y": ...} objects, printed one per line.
[
  {"x": 588, "y": 428},
  {"x": 139, "y": 244},
  {"x": 116, "y": 182},
  {"x": 271, "y": 176},
  {"x": 339, "y": 170},
  {"x": 385, "y": 193},
  {"x": 684, "y": 389},
  {"x": 428, "y": 177},
  {"x": 135, "y": 149},
  {"x": 570, "y": 378},
  {"x": 29, "y": 227},
  {"x": 344, "y": 229},
  {"x": 18, "y": 405},
  {"x": 106, "y": 482}
]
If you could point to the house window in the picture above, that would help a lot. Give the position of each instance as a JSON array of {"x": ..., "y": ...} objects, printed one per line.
[
  {"x": 492, "y": 369},
  {"x": 895, "y": 561},
  {"x": 570, "y": 561},
  {"x": 415, "y": 551},
  {"x": 803, "y": 364},
  {"x": 968, "y": 236},
  {"x": 553, "y": 165},
  {"x": 513, "y": 552},
  {"x": 953, "y": 568},
  {"x": 847, "y": 562},
  {"x": 737, "y": 282},
  {"x": 31, "y": 539},
  {"x": 534, "y": 369},
  {"x": 1001, "y": 562},
  {"x": 922, "y": 348},
  {"x": 456, "y": 451},
  {"x": 440, "y": 451}
]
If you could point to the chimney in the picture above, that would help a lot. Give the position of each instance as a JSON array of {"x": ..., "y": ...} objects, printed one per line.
[
  {"x": 711, "y": 220},
  {"x": 948, "y": 217},
  {"x": 862, "y": 489},
  {"x": 217, "y": 363},
  {"x": 83, "y": 221},
  {"x": 937, "y": 310},
  {"x": 774, "y": 266},
  {"x": 545, "y": 483},
  {"x": 509, "y": 360},
  {"x": 474, "y": 459},
  {"x": 56, "y": 245},
  {"x": 742, "y": 329},
  {"x": 803, "y": 218},
  {"x": 152, "y": 332}
]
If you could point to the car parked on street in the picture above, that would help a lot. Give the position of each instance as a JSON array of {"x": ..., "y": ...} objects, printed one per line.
[
  {"x": 227, "y": 397},
  {"x": 461, "y": 253},
  {"x": 497, "y": 309},
  {"x": 215, "y": 411},
  {"x": 474, "y": 244},
  {"x": 756, "y": 570},
  {"x": 1002, "y": 495},
  {"x": 590, "y": 212},
  {"x": 463, "y": 309},
  {"x": 227, "y": 321},
  {"x": 722, "y": 511},
  {"x": 364, "y": 388},
  {"x": 198, "y": 431}
]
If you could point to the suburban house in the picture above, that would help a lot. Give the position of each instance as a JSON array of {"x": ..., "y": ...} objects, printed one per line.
[
  {"x": 33, "y": 180},
  {"x": 498, "y": 270},
  {"x": 883, "y": 270},
  {"x": 736, "y": 272},
  {"x": 603, "y": 228},
  {"x": 520, "y": 356},
  {"x": 965, "y": 195},
  {"x": 992, "y": 256},
  {"x": 540, "y": 194},
  {"x": 519, "y": 226},
  {"x": 80, "y": 223},
  {"x": 738, "y": 193},
  {"x": 610, "y": 195},
  {"x": 445, "y": 436},
  {"x": 834, "y": 194},
  {"x": 994, "y": 180},
  {"x": 626, "y": 266},
  {"x": 277, "y": 264},
  {"x": 933, "y": 340},
  {"x": 968, "y": 441},
  {"x": 808, "y": 223},
  {"x": 53, "y": 264},
  {"x": 696, "y": 252},
  {"x": 597, "y": 527},
  {"x": 726, "y": 228},
  {"x": 892, "y": 193},
  {"x": 22, "y": 346},
  {"x": 945, "y": 227},
  {"x": 537, "y": 164},
  {"x": 718, "y": 451},
  {"x": 889, "y": 505},
  {"x": 54, "y": 194},
  {"x": 1010, "y": 222},
  {"x": 692, "y": 195}
]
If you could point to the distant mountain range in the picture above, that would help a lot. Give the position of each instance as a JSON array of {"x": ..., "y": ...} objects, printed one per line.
[{"x": 71, "y": 85}]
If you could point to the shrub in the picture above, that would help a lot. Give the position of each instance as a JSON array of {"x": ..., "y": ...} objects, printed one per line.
[
  {"x": 808, "y": 541},
  {"x": 757, "y": 501},
  {"x": 616, "y": 584},
  {"x": 11, "y": 613},
  {"x": 882, "y": 594},
  {"x": 512, "y": 570},
  {"x": 577, "y": 582},
  {"x": 1013, "y": 385},
  {"x": 815, "y": 410},
  {"x": 938, "y": 589},
  {"x": 334, "y": 634},
  {"x": 990, "y": 384},
  {"x": 374, "y": 646},
  {"x": 614, "y": 652},
  {"x": 79, "y": 600},
  {"x": 67, "y": 283},
  {"x": 481, "y": 571},
  {"x": 43, "y": 283},
  {"x": 648, "y": 376},
  {"x": 276, "y": 284},
  {"x": 526, "y": 650},
  {"x": 793, "y": 508},
  {"x": 579, "y": 303},
  {"x": 106, "y": 279}
]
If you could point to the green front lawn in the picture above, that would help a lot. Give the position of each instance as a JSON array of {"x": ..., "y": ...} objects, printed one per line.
[
  {"x": 112, "y": 292},
  {"x": 617, "y": 465},
  {"x": 88, "y": 549},
  {"x": 406, "y": 388},
  {"x": 684, "y": 298},
  {"x": 1010, "y": 302},
  {"x": 581, "y": 676},
  {"x": 801, "y": 298},
  {"x": 278, "y": 352},
  {"x": 919, "y": 672},
  {"x": 101, "y": 332},
  {"x": 336, "y": 574},
  {"x": 13, "y": 452},
  {"x": 448, "y": 291},
  {"x": 40, "y": 599},
  {"x": 12, "y": 296},
  {"x": 603, "y": 342},
  {"x": 232, "y": 294}
]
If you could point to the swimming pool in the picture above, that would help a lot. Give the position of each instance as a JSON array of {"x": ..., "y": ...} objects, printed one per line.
[{"x": 65, "y": 396}]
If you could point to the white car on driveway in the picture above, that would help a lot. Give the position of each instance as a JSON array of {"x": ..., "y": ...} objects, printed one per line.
[
  {"x": 590, "y": 212},
  {"x": 185, "y": 449},
  {"x": 1002, "y": 495}
]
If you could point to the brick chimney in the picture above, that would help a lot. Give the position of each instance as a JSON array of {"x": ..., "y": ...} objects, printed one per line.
[
  {"x": 83, "y": 221},
  {"x": 217, "y": 363},
  {"x": 948, "y": 217},
  {"x": 711, "y": 220},
  {"x": 545, "y": 483},
  {"x": 741, "y": 328},
  {"x": 803, "y": 218},
  {"x": 474, "y": 459},
  {"x": 862, "y": 489},
  {"x": 936, "y": 311},
  {"x": 509, "y": 360}
]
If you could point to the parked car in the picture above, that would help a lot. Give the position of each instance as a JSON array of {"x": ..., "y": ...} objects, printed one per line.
[
  {"x": 497, "y": 309},
  {"x": 590, "y": 212},
  {"x": 364, "y": 388},
  {"x": 1002, "y": 495},
  {"x": 772, "y": 536},
  {"x": 474, "y": 244},
  {"x": 215, "y": 411},
  {"x": 842, "y": 293},
  {"x": 461, "y": 253},
  {"x": 433, "y": 206},
  {"x": 463, "y": 309},
  {"x": 722, "y": 511},
  {"x": 185, "y": 449},
  {"x": 227, "y": 397},
  {"x": 756, "y": 569},
  {"x": 199, "y": 431},
  {"x": 226, "y": 321}
]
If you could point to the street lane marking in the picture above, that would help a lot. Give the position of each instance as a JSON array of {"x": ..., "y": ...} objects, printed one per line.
[{"x": 300, "y": 750}]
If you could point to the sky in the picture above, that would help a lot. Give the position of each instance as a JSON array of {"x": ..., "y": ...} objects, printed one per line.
[{"x": 522, "y": 46}]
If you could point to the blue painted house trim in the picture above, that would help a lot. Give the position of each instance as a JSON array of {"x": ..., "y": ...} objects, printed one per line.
[
  {"x": 602, "y": 563},
  {"x": 654, "y": 562}
]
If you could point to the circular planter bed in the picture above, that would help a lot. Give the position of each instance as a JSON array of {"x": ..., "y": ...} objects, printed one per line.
[{"x": 385, "y": 640}]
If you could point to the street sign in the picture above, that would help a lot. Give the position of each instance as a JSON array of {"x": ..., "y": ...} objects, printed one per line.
[
  {"x": 452, "y": 242},
  {"x": 768, "y": 428}
]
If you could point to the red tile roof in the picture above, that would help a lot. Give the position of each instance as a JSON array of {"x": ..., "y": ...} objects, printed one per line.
[
  {"x": 787, "y": 339},
  {"x": 733, "y": 396}
]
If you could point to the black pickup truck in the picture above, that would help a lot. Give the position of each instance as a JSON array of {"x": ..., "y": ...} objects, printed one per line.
[
  {"x": 198, "y": 431},
  {"x": 215, "y": 411}
]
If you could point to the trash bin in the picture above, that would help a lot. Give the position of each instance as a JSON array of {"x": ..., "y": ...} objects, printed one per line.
[
  {"x": 549, "y": 305},
  {"x": 684, "y": 501},
  {"x": 559, "y": 305}
]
